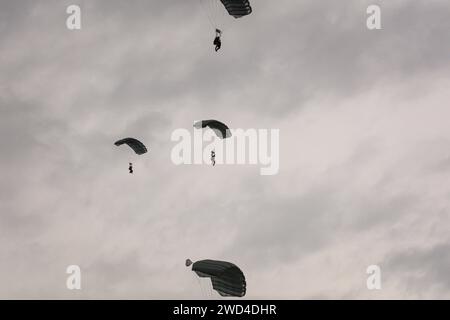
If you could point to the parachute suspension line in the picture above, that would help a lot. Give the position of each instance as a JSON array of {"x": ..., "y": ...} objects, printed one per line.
[
  {"x": 222, "y": 16},
  {"x": 201, "y": 287},
  {"x": 211, "y": 293},
  {"x": 219, "y": 11},
  {"x": 207, "y": 290},
  {"x": 207, "y": 12},
  {"x": 213, "y": 10},
  {"x": 216, "y": 10}
]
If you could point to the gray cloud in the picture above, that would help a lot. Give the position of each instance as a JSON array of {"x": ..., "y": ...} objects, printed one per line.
[{"x": 422, "y": 268}]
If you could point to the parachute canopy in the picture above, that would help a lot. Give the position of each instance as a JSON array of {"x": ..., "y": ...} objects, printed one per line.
[
  {"x": 237, "y": 8},
  {"x": 226, "y": 278},
  {"x": 134, "y": 144},
  {"x": 221, "y": 130}
]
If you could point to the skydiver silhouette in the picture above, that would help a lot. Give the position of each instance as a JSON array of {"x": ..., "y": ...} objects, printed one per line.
[
  {"x": 213, "y": 157},
  {"x": 217, "y": 42},
  {"x": 130, "y": 168}
]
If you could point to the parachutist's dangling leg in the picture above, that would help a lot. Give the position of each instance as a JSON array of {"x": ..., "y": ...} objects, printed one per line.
[{"x": 213, "y": 157}]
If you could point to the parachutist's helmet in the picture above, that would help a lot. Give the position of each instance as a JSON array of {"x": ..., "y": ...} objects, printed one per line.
[{"x": 188, "y": 262}]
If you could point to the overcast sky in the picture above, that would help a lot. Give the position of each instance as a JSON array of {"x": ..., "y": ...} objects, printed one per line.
[{"x": 364, "y": 123}]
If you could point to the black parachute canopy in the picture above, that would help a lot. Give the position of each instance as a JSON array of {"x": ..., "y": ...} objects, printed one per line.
[
  {"x": 134, "y": 144},
  {"x": 237, "y": 8},
  {"x": 221, "y": 129},
  {"x": 226, "y": 278}
]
